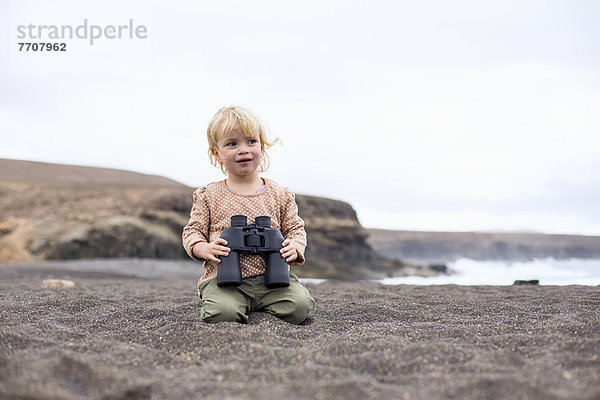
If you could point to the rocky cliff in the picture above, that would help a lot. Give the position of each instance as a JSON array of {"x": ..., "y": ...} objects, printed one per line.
[
  {"x": 337, "y": 243},
  {"x": 442, "y": 247},
  {"x": 50, "y": 211}
]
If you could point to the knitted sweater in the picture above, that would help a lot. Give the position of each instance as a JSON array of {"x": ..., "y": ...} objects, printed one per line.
[{"x": 213, "y": 207}]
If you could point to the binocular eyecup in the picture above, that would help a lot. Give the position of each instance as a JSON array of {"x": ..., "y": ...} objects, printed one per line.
[{"x": 257, "y": 238}]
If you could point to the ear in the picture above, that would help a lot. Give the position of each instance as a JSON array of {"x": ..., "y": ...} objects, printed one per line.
[{"x": 216, "y": 154}]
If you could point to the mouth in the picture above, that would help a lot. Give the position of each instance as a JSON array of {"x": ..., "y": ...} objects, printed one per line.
[{"x": 244, "y": 161}]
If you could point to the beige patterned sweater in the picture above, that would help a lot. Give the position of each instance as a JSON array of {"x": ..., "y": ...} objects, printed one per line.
[{"x": 213, "y": 207}]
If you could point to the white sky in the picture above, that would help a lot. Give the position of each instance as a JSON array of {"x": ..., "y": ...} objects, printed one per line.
[{"x": 430, "y": 115}]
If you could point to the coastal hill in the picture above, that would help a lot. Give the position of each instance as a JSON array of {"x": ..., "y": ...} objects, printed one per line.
[
  {"x": 52, "y": 211},
  {"x": 443, "y": 247}
]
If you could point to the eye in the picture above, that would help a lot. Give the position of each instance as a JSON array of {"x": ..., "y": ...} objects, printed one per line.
[
  {"x": 230, "y": 143},
  {"x": 252, "y": 141}
]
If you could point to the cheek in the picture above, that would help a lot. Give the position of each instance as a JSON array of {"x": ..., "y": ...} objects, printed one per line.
[{"x": 226, "y": 153}]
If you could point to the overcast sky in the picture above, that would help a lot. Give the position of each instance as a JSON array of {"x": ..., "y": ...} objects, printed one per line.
[{"x": 429, "y": 115}]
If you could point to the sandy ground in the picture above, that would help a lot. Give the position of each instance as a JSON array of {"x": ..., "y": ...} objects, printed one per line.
[{"x": 130, "y": 329}]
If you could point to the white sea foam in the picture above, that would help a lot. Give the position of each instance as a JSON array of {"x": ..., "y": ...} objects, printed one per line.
[
  {"x": 312, "y": 280},
  {"x": 548, "y": 271}
]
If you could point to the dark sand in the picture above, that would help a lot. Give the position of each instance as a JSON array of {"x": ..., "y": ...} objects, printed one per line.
[{"x": 118, "y": 335}]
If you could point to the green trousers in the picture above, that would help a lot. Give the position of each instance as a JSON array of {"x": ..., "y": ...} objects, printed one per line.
[{"x": 234, "y": 303}]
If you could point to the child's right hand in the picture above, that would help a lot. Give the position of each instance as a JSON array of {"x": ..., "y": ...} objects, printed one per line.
[{"x": 210, "y": 251}]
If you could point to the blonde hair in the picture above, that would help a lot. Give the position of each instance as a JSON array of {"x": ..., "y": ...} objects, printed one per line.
[{"x": 223, "y": 123}]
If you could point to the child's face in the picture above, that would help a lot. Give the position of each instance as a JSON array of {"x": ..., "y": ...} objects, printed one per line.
[{"x": 239, "y": 153}]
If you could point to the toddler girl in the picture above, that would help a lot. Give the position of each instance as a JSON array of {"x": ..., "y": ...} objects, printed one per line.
[{"x": 237, "y": 143}]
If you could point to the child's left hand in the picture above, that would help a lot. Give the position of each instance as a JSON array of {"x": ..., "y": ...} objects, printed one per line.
[{"x": 289, "y": 250}]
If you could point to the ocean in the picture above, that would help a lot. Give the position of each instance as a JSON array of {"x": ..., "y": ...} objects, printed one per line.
[{"x": 548, "y": 271}]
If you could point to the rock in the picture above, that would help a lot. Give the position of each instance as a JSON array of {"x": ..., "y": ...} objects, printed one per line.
[
  {"x": 441, "y": 268},
  {"x": 118, "y": 236},
  {"x": 57, "y": 283},
  {"x": 527, "y": 282},
  {"x": 567, "y": 375},
  {"x": 337, "y": 246},
  {"x": 14, "y": 234}
]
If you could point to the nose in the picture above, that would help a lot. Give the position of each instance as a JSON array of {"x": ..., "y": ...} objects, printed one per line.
[{"x": 243, "y": 148}]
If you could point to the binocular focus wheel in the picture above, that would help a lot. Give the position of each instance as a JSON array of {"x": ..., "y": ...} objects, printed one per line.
[
  {"x": 238, "y": 220},
  {"x": 263, "y": 221}
]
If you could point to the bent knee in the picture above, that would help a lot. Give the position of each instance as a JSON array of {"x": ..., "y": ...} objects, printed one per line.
[
  {"x": 223, "y": 312},
  {"x": 294, "y": 311}
]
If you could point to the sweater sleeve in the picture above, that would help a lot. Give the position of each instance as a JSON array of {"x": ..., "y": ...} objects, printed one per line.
[
  {"x": 197, "y": 228},
  {"x": 292, "y": 226}
]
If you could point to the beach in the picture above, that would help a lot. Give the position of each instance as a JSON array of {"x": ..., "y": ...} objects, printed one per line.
[{"x": 130, "y": 329}]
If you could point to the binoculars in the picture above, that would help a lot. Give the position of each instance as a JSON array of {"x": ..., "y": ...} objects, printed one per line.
[{"x": 257, "y": 238}]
